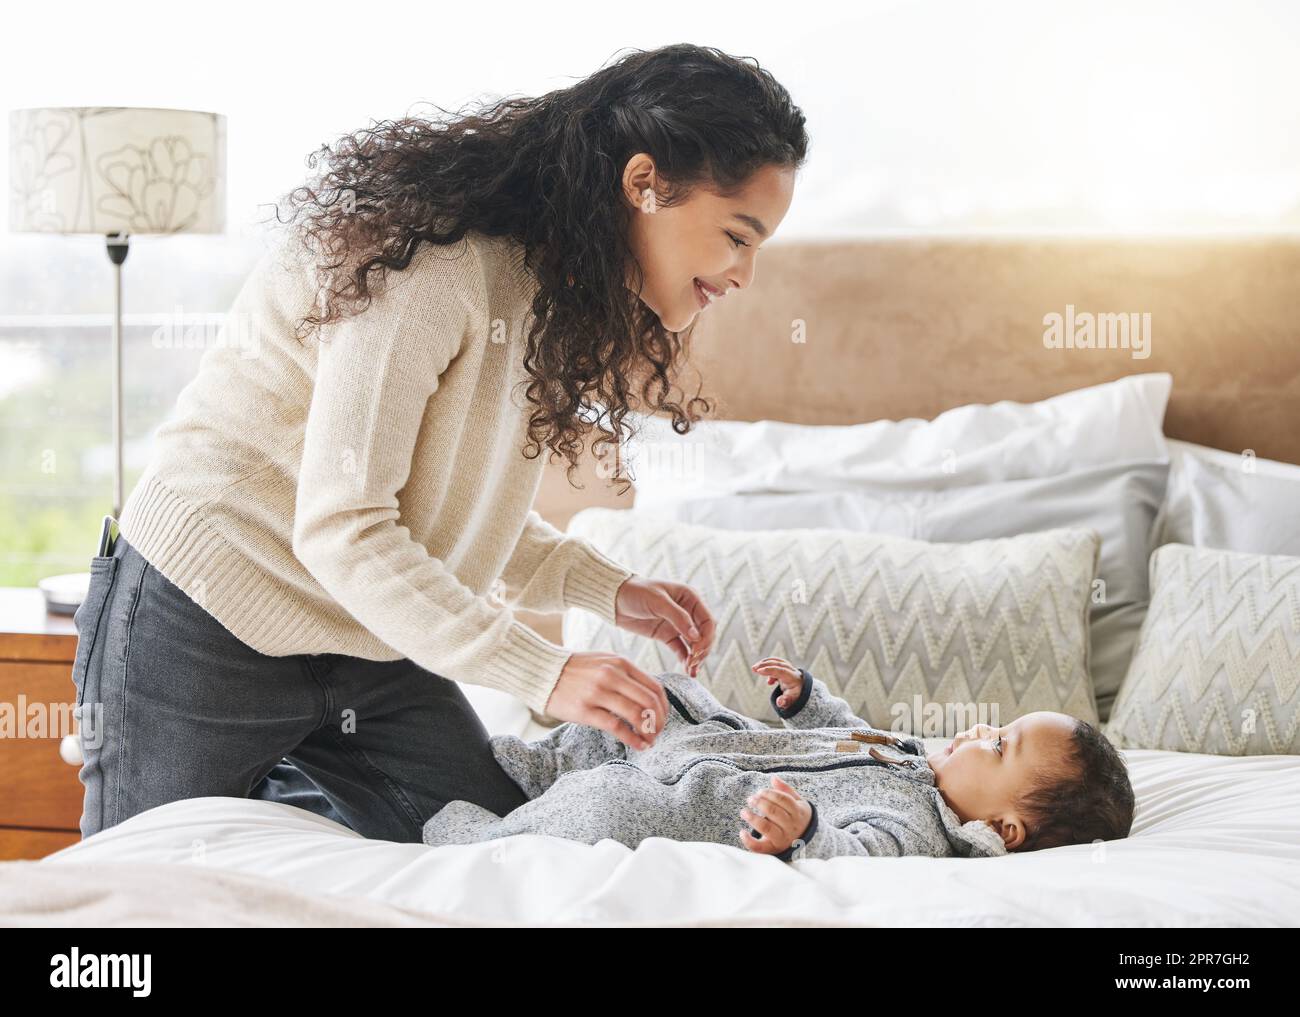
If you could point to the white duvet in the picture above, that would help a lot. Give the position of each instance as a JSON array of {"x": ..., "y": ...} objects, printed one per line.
[{"x": 1216, "y": 842}]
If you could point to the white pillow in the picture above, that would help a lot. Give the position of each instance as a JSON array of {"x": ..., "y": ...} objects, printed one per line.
[
  {"x": 977, "y": 443},
  {"x": 1230, "y": 501},
  {"x": 912, "y": 634}
]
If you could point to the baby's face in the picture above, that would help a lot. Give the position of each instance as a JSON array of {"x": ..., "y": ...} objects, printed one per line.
[{"x": 985, "y": 768}]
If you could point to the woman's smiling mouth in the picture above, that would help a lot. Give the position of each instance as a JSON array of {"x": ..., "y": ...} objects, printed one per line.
[{"x": 705, "y": 295}]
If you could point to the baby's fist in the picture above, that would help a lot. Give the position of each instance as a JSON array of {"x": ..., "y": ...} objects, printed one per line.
[
  {"x": 779, "y": 814},
  {"x": 777, "y": 669}
]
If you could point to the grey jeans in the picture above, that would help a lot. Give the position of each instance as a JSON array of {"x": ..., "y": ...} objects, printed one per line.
[{"x": 172, "y": 705}]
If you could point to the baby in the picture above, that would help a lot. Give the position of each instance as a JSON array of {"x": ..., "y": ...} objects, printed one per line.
[{"x": 825, "y": 785}]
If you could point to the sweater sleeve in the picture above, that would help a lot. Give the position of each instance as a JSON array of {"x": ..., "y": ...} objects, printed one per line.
[
  {"x": 550, "y": 570},
  {"x": 375, "y": 374},
  {"x": 816, "y": 706},
  {"x": 877, "y": 837}
]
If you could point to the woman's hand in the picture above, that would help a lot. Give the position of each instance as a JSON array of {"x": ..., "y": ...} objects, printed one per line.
[
  {"x": 669, "y": 612},
  {"x": 606, "y": 691}
]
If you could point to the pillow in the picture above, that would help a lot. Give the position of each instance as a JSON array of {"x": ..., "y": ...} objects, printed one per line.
[
  {"x": 912, "y": 634},
  {"x": 1118, "y": 500},
  {"x": 1217, "y": 665},
  {"x": 1231, "y": 501},
  {"x": 971, "y": 444}
]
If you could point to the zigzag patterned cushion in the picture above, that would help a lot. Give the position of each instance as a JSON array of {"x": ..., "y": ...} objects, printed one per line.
[
  {"x": 923, "y": 638},
  {"x": 1217, "y": 663}
]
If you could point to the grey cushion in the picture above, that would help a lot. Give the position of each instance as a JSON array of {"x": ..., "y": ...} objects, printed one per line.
[
  {"x": 1217, "y": 665},
  {"x": 1118, "y": 500},
  {"x": 917, "y": 636},
  {"x": 1231, "y": 501}
]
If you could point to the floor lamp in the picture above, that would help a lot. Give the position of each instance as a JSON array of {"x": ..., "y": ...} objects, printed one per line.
[{"x": 114, "y": 171}]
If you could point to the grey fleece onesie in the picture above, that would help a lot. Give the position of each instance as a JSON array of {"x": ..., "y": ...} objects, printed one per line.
[{"x": 586, "y": 785}]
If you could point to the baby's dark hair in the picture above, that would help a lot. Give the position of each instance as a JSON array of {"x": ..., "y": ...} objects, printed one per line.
[{"x": 1089, "y": 798}]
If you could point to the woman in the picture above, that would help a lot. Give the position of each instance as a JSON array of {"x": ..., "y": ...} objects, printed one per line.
[{"x": 331, "y": 534}]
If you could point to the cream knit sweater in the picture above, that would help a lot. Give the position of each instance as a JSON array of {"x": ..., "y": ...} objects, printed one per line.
[{"x": 363, "y": 495}]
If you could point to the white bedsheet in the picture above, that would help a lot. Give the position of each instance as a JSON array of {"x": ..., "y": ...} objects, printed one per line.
[{"x": 1216, "y": 842}]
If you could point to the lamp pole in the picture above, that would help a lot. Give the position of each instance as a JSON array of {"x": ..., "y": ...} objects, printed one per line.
[{"x": 118, "y": 247}]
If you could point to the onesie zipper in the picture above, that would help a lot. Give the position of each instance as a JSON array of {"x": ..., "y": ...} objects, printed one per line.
[
  {"x": 911, "y": 764},
  {"x": 858, "y": 736}
]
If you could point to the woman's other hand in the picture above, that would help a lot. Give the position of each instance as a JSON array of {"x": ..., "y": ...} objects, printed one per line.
[
  {"x": 672, "y": 613},
  {"x": 609, "y": 692}
]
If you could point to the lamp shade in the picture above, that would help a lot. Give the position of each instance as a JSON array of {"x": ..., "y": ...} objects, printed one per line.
[{"x": 116, "y": 169}]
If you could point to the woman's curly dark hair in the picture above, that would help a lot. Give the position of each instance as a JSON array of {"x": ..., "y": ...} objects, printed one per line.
[{"x": 547, "y": 172}]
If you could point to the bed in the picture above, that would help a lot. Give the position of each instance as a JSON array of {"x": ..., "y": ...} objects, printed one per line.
[
  {"x": 1217, "y": 843},
  {"x": 894, "y": 329}
]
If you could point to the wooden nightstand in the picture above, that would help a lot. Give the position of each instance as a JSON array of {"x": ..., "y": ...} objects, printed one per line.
[{"x": 40, "y": 795}]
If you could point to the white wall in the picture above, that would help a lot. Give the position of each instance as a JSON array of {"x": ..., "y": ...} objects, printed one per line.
[{"x": 940, "y": 116}]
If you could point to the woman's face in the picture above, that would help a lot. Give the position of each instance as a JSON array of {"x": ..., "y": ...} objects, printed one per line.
[{"x": 705, "y": 240}]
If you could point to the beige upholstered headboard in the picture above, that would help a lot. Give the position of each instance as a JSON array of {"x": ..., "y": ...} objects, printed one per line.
[{"x": 909, "y": 327}]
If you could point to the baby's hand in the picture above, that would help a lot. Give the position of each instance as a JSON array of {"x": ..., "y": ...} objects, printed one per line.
[
  {"x": 777, "y": 669},
  {"x": 782, "y": 819}
]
